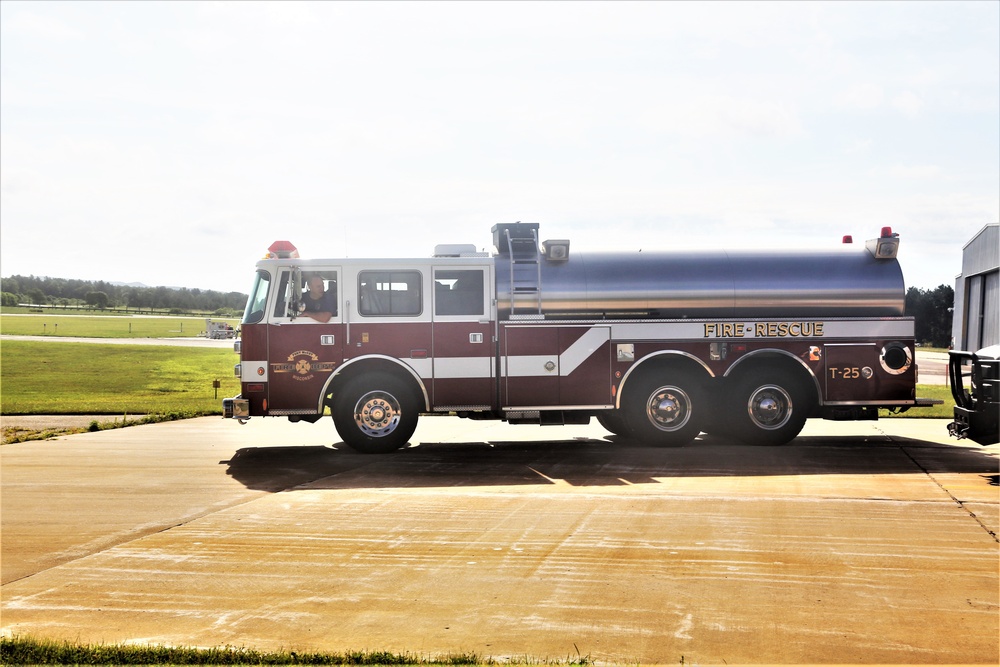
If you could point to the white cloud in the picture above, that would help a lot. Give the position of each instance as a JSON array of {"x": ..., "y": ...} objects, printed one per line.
[
  {"x": 908, "y": 102},
  {"x": 859, "y": 146},
  {"x": 33, "y": 25},
  {"x": 863, "y": 96},
  {"x": 915, "y": 171}
]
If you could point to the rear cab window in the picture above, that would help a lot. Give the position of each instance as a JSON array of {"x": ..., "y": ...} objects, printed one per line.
[{"x": 390, "y": 293}]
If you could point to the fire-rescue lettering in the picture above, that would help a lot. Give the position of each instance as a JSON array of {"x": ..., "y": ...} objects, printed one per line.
[
  {"x": 724, "y": 330},
  {"x": 763, "y": 330}
]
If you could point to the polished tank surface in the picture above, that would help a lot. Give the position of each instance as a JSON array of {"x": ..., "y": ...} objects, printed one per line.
[{"x": 847, "y": 281}]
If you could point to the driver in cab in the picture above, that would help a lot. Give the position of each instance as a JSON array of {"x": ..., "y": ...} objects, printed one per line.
[{"x": 318, "y": 303}]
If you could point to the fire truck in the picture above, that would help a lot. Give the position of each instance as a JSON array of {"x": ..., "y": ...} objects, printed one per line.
[{"x": 657, "y": 346}]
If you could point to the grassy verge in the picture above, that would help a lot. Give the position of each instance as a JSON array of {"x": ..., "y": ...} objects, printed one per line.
[
  {"x": 85, "y": 378},
  {"x": 938, "y": 391},
  {"x": 27, "y": 651},
  {"x": 119, "y": 326},
  {"x": 12, "y": 434}
]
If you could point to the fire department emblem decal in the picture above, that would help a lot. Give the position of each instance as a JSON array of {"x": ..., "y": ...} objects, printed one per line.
[{"x": 303, "y": 365}]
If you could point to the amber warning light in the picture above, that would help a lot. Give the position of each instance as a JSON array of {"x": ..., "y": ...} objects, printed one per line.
[{"x": 282, "y": 250}]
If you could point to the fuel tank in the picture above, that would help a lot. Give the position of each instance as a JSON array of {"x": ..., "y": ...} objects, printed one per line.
[{"x": 844, "y": 281}]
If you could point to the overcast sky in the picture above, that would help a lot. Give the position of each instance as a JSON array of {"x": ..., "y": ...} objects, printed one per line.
[{"x": 171, "y": 143}]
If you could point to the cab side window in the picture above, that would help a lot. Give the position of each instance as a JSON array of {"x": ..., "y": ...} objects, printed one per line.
[
  {"x": 389, "y": 293},
  {"x": 458, "y": 292}
]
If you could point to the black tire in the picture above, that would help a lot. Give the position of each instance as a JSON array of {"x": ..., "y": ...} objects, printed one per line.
[
  {"x": 664, "y": 408},
  {"x": 375, "y": 413},
  {"x": 767, "y": 408},
  {"x": 614, "y": 421}
]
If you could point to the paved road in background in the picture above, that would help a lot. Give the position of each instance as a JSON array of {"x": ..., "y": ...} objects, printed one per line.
[
  {"x": 932, "y": 367},
  {"x": 859, "y": 542},
  {"x": 183, "y": 341}
]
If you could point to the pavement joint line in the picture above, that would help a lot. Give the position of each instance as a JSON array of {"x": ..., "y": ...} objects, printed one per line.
[
  {"x": 958, "y": 502},
  {"x": 144, "y": 534},
  {"x": 903, "y": 448}
]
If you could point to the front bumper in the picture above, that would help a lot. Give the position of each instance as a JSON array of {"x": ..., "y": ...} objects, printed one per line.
[
  {"x": 235, "y": 408},
  {"x": 978, "y": 425}
]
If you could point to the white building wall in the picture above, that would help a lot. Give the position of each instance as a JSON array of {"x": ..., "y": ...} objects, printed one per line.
[{"x": 976, "y": 316}]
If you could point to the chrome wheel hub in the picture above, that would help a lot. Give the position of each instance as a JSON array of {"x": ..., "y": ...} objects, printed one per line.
[
  {"x": 377, "y": 414},
  {"x": 668, "y": 408},
  {"x": 770, "y": 407}
]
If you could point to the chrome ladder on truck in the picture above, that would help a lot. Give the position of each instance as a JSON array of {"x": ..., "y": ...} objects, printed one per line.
[{"x": 525, "y": 276}]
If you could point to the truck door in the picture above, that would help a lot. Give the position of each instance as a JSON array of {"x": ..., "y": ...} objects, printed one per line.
[
  {"x": 303, "y": 349},
  {"x": 463, "y": 339}
]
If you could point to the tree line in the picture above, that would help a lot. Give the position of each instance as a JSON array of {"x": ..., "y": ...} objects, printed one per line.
[
  {"x": 100, "y": 294},
  {"x": 931, "y": 311}
]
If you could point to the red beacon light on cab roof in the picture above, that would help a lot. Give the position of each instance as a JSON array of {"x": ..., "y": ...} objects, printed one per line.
[{"x": 282, "y": 250}]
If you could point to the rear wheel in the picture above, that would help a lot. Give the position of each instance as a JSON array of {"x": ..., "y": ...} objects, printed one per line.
[
  {"x": 664, "y": 408},
  {"x": 375, "y": 413},
  {"x": 767, "y": 408}
]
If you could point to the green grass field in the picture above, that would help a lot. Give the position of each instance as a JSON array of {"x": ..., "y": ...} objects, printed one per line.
[
  {"x": 66, "y": 378},
  {"x": 19, "y": 650},
  {"x": 110, "y": 326},
  {"x": 938, "y": 391}
]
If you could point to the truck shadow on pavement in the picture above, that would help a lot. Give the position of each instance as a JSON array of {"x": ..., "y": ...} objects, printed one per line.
[{"x": 590, "y": 462}]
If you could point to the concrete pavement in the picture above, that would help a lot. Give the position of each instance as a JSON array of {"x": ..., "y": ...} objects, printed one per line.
[{"x": 859, "y": 542}]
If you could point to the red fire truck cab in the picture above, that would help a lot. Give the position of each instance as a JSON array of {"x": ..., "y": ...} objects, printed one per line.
[{"x": 658, "y": 346}]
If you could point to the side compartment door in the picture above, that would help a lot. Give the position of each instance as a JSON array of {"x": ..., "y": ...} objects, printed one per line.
[
  {"x": 557, "y": 366},
  {"x": 531, "y": 366},
  {"x": 463, "y": 339},
  {"x": 585, "y": 367},
  {"x": 855, "y": 376}
]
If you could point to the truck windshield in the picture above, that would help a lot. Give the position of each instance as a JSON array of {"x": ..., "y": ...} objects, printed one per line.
[{"x": 258, "y": 298}]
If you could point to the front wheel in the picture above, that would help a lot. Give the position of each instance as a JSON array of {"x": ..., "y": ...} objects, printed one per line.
[
  {"x": 375, "y": 414},
  {"x": 664, "y": 408},
  {"x": 767, "y": 410},
  {"x": 614, "y": 421}
]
